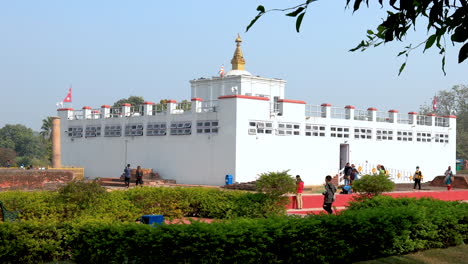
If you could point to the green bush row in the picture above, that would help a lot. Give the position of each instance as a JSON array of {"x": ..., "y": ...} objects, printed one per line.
[
  {"x": 80, "y": 200},
  {"x": 373, "y": 228}
]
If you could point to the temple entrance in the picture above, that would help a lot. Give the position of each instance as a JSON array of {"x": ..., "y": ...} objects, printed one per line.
[{"x": 344, "y": 155}]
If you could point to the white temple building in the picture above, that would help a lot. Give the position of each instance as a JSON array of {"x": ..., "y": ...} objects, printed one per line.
[{"x": 242, "y": 125}]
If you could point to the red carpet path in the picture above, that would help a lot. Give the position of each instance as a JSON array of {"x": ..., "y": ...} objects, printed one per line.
[{"x": 312, "y": 203}]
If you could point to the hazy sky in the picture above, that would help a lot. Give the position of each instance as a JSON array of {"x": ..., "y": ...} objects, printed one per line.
[{"x": 110, "y": 49}]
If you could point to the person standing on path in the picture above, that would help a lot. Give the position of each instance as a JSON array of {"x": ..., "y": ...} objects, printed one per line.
[
  {"x": 300, "y": 189},
  {"x": 127, "y": 175},
  {"x": 417, "y": 178},
  {"x": 329, "y": 195},
  {"x": 448, "y": 178},
  {"x": 139, "y": 176}
]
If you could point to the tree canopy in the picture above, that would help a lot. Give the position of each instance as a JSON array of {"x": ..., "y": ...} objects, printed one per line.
[
  {"x": 445, "y": 18},
  {"x": 133, "y": 100},
  {"x": 453, "y": 102}
]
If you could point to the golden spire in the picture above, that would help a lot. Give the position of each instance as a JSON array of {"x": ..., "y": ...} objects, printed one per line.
[{"x": 238, "y": 62}]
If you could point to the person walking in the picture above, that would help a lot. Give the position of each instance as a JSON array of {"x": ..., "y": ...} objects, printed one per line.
[
  {"x": 347, "y": 174},
  {"x": 139, "y": 176},
  {"x": 300, "y": 189},
  {"x": 329, "y": 195},
  {"x": 417, "y": 178},
  {"x": 448, "y": 178},
  {"x": 127, "y": 175}
]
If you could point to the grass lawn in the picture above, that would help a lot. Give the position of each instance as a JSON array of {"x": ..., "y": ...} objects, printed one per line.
[{"x": 457, "y": 255}]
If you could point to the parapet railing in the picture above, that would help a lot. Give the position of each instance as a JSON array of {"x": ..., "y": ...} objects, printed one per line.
[{"x": 313, "y": 111}]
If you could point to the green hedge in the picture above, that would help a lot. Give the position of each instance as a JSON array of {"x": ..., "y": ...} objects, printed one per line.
[
  {"x": 380, "y": 227},
  {"x": 82, "y": 201}
]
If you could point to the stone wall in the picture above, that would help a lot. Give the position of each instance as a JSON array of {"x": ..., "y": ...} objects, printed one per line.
[{"x": 19, "y": 179}]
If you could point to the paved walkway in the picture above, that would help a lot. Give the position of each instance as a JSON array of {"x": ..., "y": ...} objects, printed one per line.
[{"x": 312, "y": 203}]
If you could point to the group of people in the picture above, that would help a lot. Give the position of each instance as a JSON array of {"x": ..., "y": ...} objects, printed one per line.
[
  {"x": 328, "y": 194},
  {"x": 128, "y": 175}
]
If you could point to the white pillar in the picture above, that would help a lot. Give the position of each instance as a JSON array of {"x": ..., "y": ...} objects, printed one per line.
[
  {"x": 326, "y": 110},
  {"x": 372, "y": 114},
  {"x": 105, "y": 111},
  {"x": 350, "y": 112},
  {"x": 148, "y": 108},
  {"x": 126, "y": 109},
  {"x": 196, "y": 105},
  {"x": 65, "y": 113},
  {"x": 171, "y": 106},
  {"x": 413, "y": 118},
  {"x": 86, "y": 112},
  {"x": 431, "y": 119},
  {"x": 393, "y": 116}
]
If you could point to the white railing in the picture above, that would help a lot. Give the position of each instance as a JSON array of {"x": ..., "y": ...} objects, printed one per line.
[
  {"x": 361, "y": 115},
  {"x": 424, "y": 120},
  {"x": 442, "y": 121},
  {"x": 382, "y": 117},
  {"x": 208, "y": 106},
  {"x": 313, "y": 111},
  {"x": 78, "y": 114},
  {"x": 159, "y": 109},
  {"x": 338, "y": 112},
  {"x": 136, "y": 110},
  {"x": 403, "y": 119}
]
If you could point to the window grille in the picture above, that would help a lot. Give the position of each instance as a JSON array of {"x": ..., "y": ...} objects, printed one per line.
[
  {"x": 404, "y": 136},
  {"x": 75, "y": 132},
  {"x": 441, "y": 138},
  {"x": 339, "y": 132},
  {"x": 93, "y": 131},
  {"x": 133, "y": 130},
  {"x": 156, "y": 129},
  {"x": 315, "y": 130},
  {"x": 207, "y": 126},
  {"x": 423, "y": 137},
  {"x": 113, "y": 131},
  {"x": 181, "y": 128},
  {"x": 362, "y": 133},
  {"x": 289, "y": 129},
  {"x": 384, "y": 134}
]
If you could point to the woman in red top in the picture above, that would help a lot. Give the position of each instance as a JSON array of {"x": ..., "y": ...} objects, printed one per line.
[{"x": 300, "y": 188}]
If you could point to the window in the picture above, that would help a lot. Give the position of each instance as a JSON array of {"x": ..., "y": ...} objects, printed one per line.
[
  {"x": 339, "y": 132},
  {"x": 181, "y": 128},
  {"x": 133, "y": 130},
  {"x": 384, "y": 134},
  {"x": 442, "y": 138},
  {"x": 423, "y": 137},
  {"x": 289, "y": 129},
  {"x": 93, "y": 131},
  {"x": 404, "y": 136},
  {"x": 315, "y": 130},
  {"x": 362, "y": 133},
  {"x": 260, "y": 127},
  {"x": 156, "y": 129},
  {"x": 75, "y": 132},
  {"x": 112, "y": 131},
  {"x": 207, "y": 127}
]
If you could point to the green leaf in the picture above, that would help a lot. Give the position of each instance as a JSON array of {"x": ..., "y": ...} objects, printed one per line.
[
  {"x": 430, "y": 41},
  {"x": 401, "y": 53},
  {"x": 295, "y": 12},
  {"x": 253, "y": 21},
  {"x": 463, "y": 53},
  {"x": 401, "y": 68},
  {"x": 370, "y": 32},
  {"x": 443, "y": 65},
  {"x": 299, "y": 21},
  {"x": 261, "y": 9}
]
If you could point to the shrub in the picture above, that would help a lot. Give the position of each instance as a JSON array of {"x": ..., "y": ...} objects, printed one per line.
[
  {"x": 276, "y": 183},
  {"x": 371, "y": 185}
]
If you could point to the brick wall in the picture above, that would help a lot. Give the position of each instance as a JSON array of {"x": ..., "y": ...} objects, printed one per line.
[{"x": 19, "y": 179}]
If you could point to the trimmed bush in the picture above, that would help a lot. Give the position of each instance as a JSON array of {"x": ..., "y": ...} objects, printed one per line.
[{"x": 372, "y": 185}]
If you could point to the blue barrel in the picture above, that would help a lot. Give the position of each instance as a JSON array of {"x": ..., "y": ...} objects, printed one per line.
[
  {"x": 152, "y": 219},
  {"x": 228, "y": 179}
]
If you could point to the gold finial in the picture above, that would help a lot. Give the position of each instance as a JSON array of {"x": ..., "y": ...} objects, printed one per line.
[{"x": 238, "y": 62}]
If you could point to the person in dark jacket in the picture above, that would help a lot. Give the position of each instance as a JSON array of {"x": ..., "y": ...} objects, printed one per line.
[
  {"x": 329, "y": 194},
  {"x": 139, "y": 176}
]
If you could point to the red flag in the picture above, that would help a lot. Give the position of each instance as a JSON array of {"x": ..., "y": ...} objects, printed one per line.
[
  {"x": 434, "y": 103},
  {"x": 68, "y": 98}
]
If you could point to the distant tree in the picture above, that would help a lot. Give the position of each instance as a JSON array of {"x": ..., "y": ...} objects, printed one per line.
[
  {"x": 7, "y": 154},
  {"x": 453, "y": 102},
  {"x": 276, "y": 183},
  {"x": 46, "y": 128},
  {"x": 133, "y": 100},
  {"x": 27, "y": 144},
  {"x": 443, "y": 17}
]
